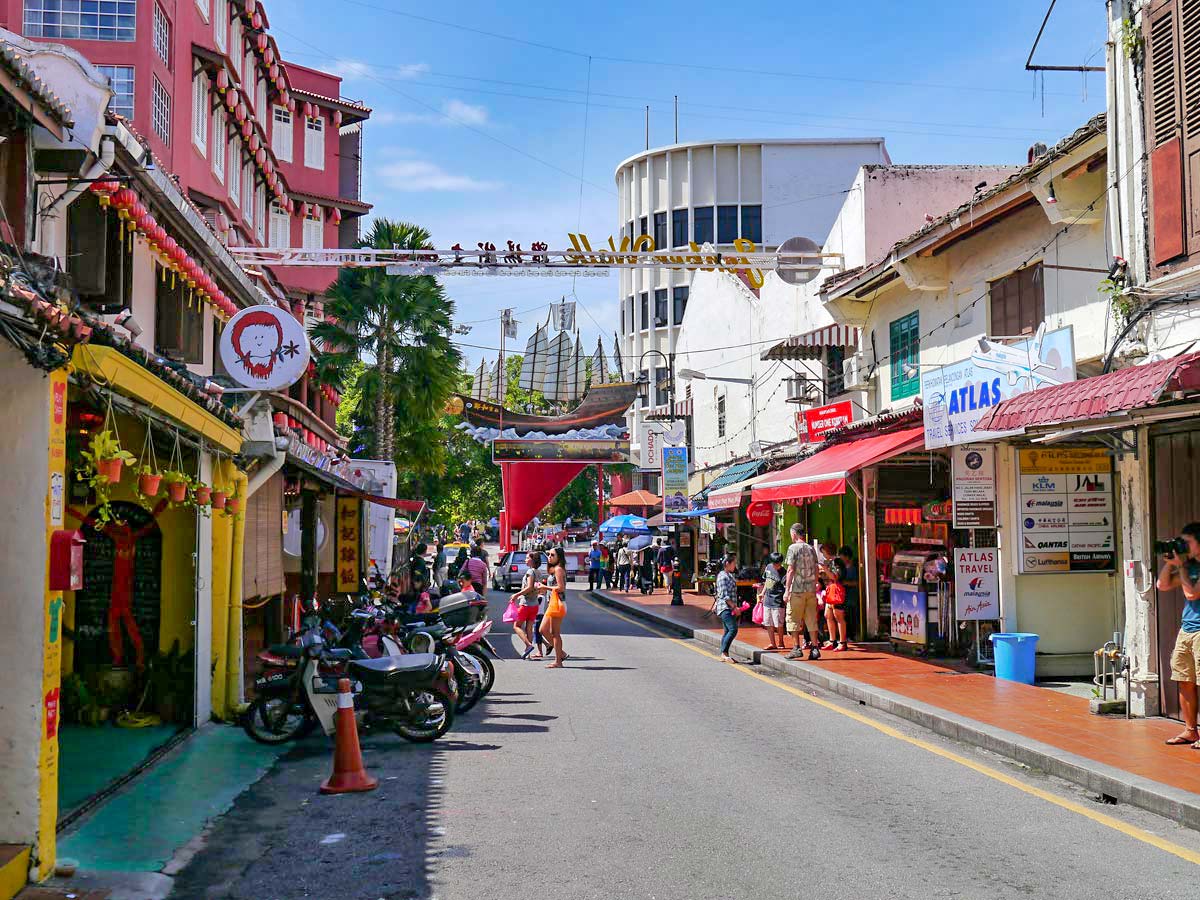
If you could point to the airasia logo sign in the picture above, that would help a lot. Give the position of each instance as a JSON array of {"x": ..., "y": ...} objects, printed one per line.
[{"x": 823, "y": 419}]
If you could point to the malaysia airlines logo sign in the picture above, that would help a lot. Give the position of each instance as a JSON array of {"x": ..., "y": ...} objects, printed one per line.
[{"x": 1067, "y": 523}]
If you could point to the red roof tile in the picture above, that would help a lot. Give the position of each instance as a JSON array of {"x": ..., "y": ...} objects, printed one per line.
[{"x": 1097, "y": 397}]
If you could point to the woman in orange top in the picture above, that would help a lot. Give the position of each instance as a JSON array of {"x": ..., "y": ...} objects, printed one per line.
[
  {"x": 556, "y": 607},
  {"x": 835, "y": 606}
]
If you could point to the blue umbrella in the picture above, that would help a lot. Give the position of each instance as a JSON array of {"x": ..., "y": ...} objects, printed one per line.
[
  {"x": 626, "y": 524},
  {"x": 641, "y": 542}
]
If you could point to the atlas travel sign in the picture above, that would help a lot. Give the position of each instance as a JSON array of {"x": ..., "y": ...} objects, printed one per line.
[{"x": 957, "y": 396}]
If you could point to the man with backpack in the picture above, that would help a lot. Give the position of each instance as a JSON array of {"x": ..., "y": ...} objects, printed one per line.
[{"x": 801, "y": 592}]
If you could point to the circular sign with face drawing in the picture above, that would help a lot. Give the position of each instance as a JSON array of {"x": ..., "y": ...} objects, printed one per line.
[{"x": 264, "y": 348}]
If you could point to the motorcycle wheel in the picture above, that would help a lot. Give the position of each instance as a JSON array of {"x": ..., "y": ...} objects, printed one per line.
[
  {"x": 275, "y": 720},
  {"x": 469, "y": 692},
  {"x": 435, "y": 725},
  {"x": 489, "y": 671}
]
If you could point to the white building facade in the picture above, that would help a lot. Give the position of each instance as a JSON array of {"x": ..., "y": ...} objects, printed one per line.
[{"x": 714, "y": 193}]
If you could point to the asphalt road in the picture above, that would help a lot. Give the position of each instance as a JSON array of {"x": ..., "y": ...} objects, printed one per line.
[{"x": 647, "y": 769}]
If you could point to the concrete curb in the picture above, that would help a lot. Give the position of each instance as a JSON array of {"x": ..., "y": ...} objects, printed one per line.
[{"x": 1161, "y": 799}]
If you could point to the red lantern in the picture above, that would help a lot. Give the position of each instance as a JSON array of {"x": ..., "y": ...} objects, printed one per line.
[
  {"x": 260, "y": 155},
  {"x": 285, "y": 98},
  {"x": 247, "y": 129},
  {"x": 240, "y": 112},
  {"x": 251, "y": 7},
  {"x": 337, "y": 118},
  {"x": 158, "y": 236},
  {"x": 336, "y": 215},
  {"x": 292, "y": 105},
  {"x": 146, "y": 224},
  {"x": 269, "y": 56},
  {"x": 273, "y": 71},
  {"x": 123, "y": 200},
  {"x": 261, "y": 40},
  {"x": 256, "y": 21},
  {"x": 222, "y": 80},
  {"x": 254, "y": 142},
  {"x": 269, "y": 168},
  {"x": 231, "y": 101}
]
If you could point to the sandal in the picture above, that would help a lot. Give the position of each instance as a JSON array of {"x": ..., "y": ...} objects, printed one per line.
[
  {"x": 528, "y": 650},
  {"x": 1179, "y": 740}
]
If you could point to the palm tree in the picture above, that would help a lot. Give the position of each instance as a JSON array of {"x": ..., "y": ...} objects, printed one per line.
[{"x": 399, "y": 327}]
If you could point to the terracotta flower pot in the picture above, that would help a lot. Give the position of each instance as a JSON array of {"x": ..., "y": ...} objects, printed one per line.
[
  {"x": 218, "y": 499},
  {"x": 202, "y": 495},
  {"x": 110, "y": 469},
  {"x": 149, "y": 484},
  {"x": 177, "y": 491},
  {"x": 233, "y": 504}
]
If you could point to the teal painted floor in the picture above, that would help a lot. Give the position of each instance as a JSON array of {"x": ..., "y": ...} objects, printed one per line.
[
  {"x": 91, "y": 758},
  {"x": 140, "y": 827}
]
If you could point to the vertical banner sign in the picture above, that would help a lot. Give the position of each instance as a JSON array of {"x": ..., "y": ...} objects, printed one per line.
[
  {"x": 974, "y": 486},
  {"x": 51, "y": 634},
  {"x": 652, "y": 439},
  {"x": 349, "y": 543},
  {"x": 976, "y": 583},
  {"x": 1066, "y": 511},
  {"x": 675, "y": 479}
]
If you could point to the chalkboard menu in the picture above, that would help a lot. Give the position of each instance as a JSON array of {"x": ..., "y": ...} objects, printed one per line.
[{"x": 140, "y": 534}]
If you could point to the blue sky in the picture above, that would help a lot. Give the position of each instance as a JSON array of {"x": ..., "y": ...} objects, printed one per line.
[{"x": 482, "y": 138}]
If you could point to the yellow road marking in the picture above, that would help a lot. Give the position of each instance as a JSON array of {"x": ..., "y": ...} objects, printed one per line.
[{"x": 1138, "y": 834}]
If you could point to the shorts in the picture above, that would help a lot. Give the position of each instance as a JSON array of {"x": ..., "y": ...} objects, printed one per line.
[
  {"x": 773, "y": 616},
  {"x": 526, "y": 613},
  {"x": 802, "y": 610},
  {"x": 1185, "y": 658}
]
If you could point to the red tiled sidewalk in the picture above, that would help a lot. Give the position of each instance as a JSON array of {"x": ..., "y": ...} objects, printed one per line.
[{"x": 1050, "y": 717}]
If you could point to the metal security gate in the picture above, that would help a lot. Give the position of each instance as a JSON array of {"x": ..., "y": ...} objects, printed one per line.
[{"x": 1175, "y": 468}]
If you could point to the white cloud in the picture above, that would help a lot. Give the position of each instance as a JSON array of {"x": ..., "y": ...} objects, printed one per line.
[
  {"x": 353, "y": 69},
  {"x": 453, "y": 112},
  {"x": 415, "y": 175}
]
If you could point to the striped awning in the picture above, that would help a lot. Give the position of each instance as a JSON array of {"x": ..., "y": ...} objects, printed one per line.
[{"x": 813, "y": 343}]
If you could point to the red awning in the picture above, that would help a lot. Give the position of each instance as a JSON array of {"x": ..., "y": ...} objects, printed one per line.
[
  {"x": 825, "y": 473},
  {"x": 1096, "y": 397}
]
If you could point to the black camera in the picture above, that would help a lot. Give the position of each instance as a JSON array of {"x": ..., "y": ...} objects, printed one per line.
[{"x": 1177, "y": 545}]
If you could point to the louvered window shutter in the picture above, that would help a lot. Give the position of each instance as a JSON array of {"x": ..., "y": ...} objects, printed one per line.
[
  {"x": 1189, "y": 81},
  {"x": 1163, "y": 126}
]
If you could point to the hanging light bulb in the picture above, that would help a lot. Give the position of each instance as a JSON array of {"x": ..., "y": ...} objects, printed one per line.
[{"x": 1051, "y": 198}]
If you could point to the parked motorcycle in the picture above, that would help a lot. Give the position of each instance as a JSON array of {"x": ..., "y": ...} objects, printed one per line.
[{"x": 414, "y": 695}]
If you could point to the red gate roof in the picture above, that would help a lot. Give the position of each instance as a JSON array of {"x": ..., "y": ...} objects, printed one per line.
[{"x": 1096, "y": 397}]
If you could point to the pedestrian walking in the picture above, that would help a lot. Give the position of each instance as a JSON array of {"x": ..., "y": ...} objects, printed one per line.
[
  {"x": 726, "y": 605},
  {"x": 476, "y": 566},
  {"x": 556, "y": 607},
  {"x": 624, "y": 564},
  {"x": 460, "y": 562},
  {"x": 773, "y": 602},
  {"x": 441, "y": 563},
  {"x": 529, "y": 601},
  {"x": 595, "y": 572},
  {"x": 835, "y": 606},
  {"x": 801, "y": 591},
  {"x": 665, "y": 558}
]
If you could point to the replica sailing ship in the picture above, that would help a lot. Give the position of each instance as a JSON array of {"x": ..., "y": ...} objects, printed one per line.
[{"x": 556, "y": 368}]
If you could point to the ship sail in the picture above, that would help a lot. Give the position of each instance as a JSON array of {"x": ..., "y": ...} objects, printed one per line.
[
  {"x": 599, "y": 364},
  {"x": 533, "y": 364},
  {"x": 556, "y": 386},
  {"x": 479, "y": 382},
  {"x": 496, "y": 383},
  {"x": 620, "y": 366},
  {"x": 578, "y": 370}
]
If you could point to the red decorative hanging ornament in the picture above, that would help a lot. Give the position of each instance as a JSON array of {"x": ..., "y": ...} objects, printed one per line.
[
  {"x": 240, "y": 112},
  {"x": 337, "y": 118},
  {"x": 269, "y": 56},
  {"x": 256, "y": 22},
  {"x": 336, "y": 215},
  {"x": 251, "y": 7},
  {"x": 292, "y": 105},
  {"x": 222, "y": 80},
  {"x": 247, "y": 130},
  {"x": 231, "y": 101},
  {"x": 260, "y": 156},
  {"x": 260, "y": 41}
]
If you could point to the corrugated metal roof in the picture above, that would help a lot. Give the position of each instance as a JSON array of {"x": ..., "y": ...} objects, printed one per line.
[
  {"x": 1096, "y": 397},
  {"x": 812, "y": 344},
  {"x": 735, "y": 473}
]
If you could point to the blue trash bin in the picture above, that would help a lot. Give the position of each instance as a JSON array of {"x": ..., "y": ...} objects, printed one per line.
[{"x": 1016, "y": 654}]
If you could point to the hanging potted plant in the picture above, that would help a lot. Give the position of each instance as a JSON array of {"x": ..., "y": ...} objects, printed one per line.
[
  {"x": 201, "y": 494},
  {"x": 106, "y": 456},
  {"x": 219, "y": 499},
  {"x": 149, "y": 478},
  {"x": 177, "y": 485},
  {"x": 232, "y": 505}
]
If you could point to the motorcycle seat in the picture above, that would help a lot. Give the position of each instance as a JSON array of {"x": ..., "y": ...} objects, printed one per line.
[
  {"x": 388, "y": 667},
  {"x": 286, "y": 651}
]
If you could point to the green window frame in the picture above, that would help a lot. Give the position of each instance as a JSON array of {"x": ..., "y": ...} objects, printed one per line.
[{"x": 905, "y": 349}]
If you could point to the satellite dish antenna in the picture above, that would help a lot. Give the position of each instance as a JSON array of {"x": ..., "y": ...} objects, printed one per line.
[{"x": 798, "y": 245}]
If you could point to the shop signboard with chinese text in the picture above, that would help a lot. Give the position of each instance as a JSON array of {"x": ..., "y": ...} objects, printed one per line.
[
  {"x": 1066, "y": 515},
  {"x": 956, "y": 396},
  {"x": 976, "y": 583},
  {"x": 821, "y": 420},
  {"x": 675, "y": 479},
  {"x": 553, "y": 450},
  {"x": 973, "y": 468},
  {"x": 349, "y": 543}
]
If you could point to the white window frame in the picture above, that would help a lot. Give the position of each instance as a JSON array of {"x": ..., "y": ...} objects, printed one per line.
[
  {"x": 234, "y": 185},
  {"x": 202, "y": 5},
  {"x": 282, "y": 132},
  {"x": 313, "y": 235},
  {"x": 260, "y": 214},
  {"x": 248, "y": 192},
  {"x": 200, "y": 112},
  {"x": 260, "y": 102},
  {"x": 220, "y": 23},
  {"x": 280, "y": 232},
  {"x": 247, "y": 72},
  {"x": 235, "y": 45},
  {"x": 218, "y": 142},
  {"x": 160, "y": 110},
  {"x": 162, "y": 35},
  {"x": 314, "y": 142}
]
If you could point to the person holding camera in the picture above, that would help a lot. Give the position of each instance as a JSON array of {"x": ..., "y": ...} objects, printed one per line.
[{"x": 1181, "y": 569}]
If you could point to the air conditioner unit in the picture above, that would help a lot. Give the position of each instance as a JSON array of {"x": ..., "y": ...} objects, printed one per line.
[
  {"x": 856, "y": 372},
  {"x": 801, "y": 390}
]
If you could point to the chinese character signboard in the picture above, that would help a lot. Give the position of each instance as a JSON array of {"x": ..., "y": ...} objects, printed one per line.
[
  {"x": 349, "y": 543},
  {"x": 976, "y": 583},
  {"x": 974, "y": 490},
  {"x": 554, "y": 450},
  {"x": 675, "y": 479},
  {"x": 821, "y": 420},
  {"x": 957, "y": 396},
  {"x": 1066, "y": 511}
]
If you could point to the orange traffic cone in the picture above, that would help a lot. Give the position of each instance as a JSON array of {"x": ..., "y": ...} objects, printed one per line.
[{"x": 348, "y": 772}]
